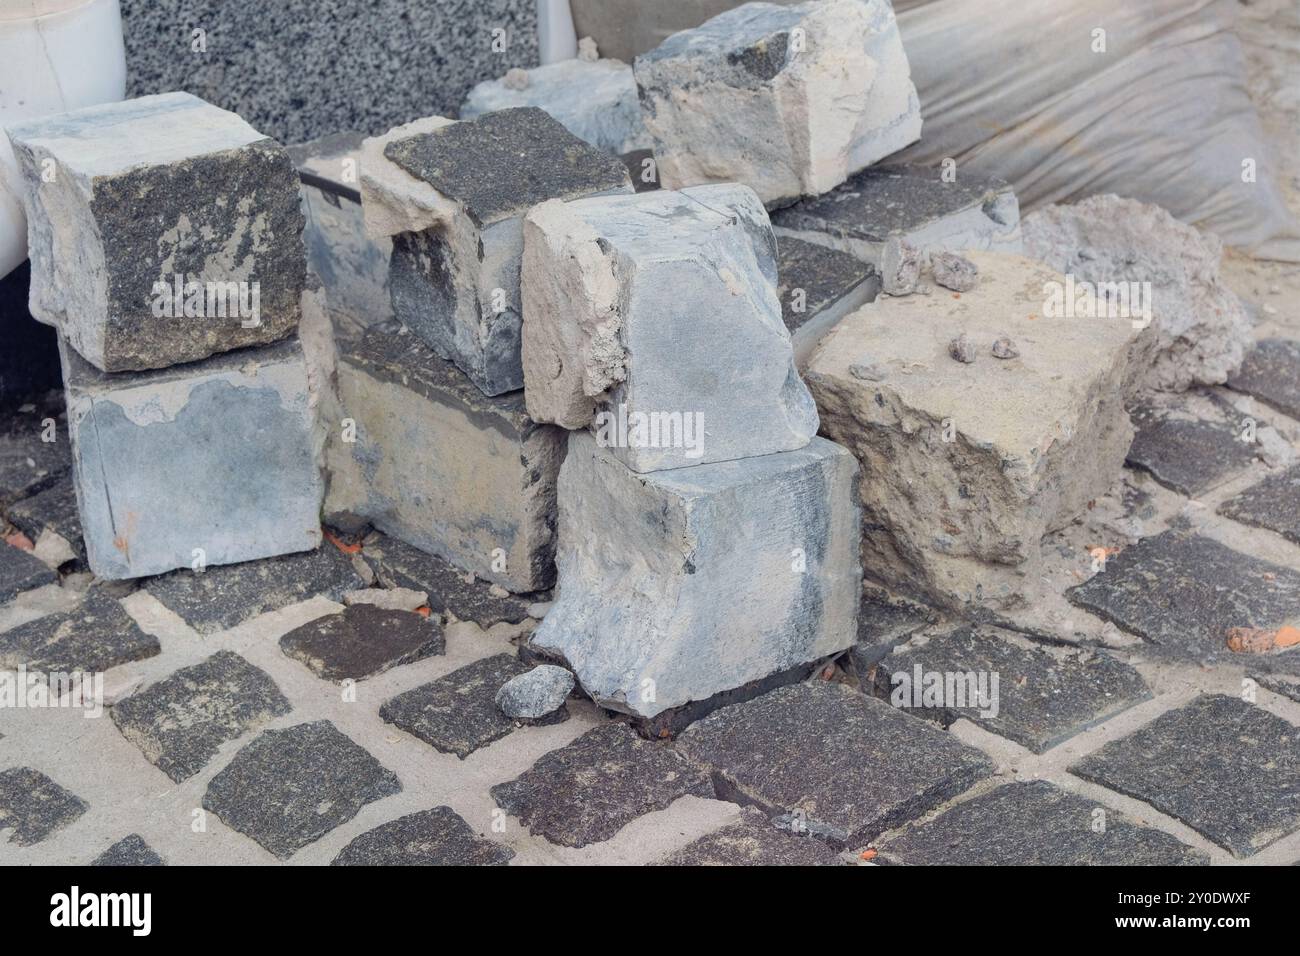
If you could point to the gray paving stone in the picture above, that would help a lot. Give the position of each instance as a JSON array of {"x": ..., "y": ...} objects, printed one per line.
[
  {"x": 1186, "y": 453},
  {"x": 817, "y": 287},
  {"x": 754, "y": 841},
  {"x": 27, "y": 464},
  {"x": 1040, "y": 700},
  {"x": 181, "y": 722},
  {"x": 363, "y": 641},
  {"x": 1273, "y": 503},
  {"x": 1226, "y": 768},
  {"x": 1183, "y": 591},
  {"x": 32, "y": 806},
  {"x": 588, "y": 790},
  {"x": 1034, "y": 823},
  {"x": 846, "y": 766},
  {"x": 54, "y": 509},
  {"x": 290, "y": 787},
  {"x": 129, "y": 851},
  {"x": 457, "y": 714},
  {"x": 437, "y": 837},
  {"x": 1271, "y": 373},
  {"x": 883, "y": 624},
  {"x": 219, "y": 598},
  {"x": 21, "y": 571},
  {"x": 94, "y": 636}
]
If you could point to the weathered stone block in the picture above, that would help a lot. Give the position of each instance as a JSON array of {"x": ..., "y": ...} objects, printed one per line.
[
  {"x": 787, "y": 99},
  {"x": 966, "y": 466},
  {"x": 452, "y": 196},
  {"x": 437, "y": 463},
  {"x": 209, "y": 462},
  {"x": 644, "y": 558},
  {"x": 819, "y": 286},
  {"x": 127, "y": 203},
  {"x": 657, "y": 314}
]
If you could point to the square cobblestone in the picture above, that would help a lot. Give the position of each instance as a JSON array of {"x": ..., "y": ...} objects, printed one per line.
[
  {"x": 437, "y": 837},
  {"x": 1273, "y": 503},
  {"x": 1183, "y": 451},
  {"x": 129, "y": 851},
  {"x": 1271, "y": 373},
  {"x": 1041, "y": 699},
  {"x": 1226, "y": 768},
  {"x": 588, "y": 790},
  {"x": 54, "y": 509},
  {"x": 181, "y": 722},
  {"x": 457, "y": 714},
  {"x": 27, "y": 464},
  {"x": 844, "y": 765},
  {"x": 32, "y": 806},
  {"x": 222, "y": 596},
  {"x": 290, "y": 787},
  {"x": 94, "y": 636},
  {"x": 21, "y": 571},
  {"x": 362, "y": 641},
  {"x": 754, "y": 841},
  {"x": 1034, "y": 823}
]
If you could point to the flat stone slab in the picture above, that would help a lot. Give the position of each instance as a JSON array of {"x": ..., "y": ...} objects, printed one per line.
[
  {"x": 55, "y": 510},
  {"x": 457, "y": 714},
  {"x": 129, "y": 851},
  {"x": 1039, "y": 700},
  {"x": 818, "y": 286},
  {"x": 181, "y": 722},
  {"x": 32, "y": 806},
  {"x": 1273, "y": 503},
  {"x": 1186, "y": 453},
  {"x": 21, "y": 571},
  {"x": 754, "y": 841},
  {"x": 845, "y": 766},
  {"x": 1183, "y": 591},
  {"x": 94, "y": 636},
  {"x": 27, "y": 464},
  {"x": 1271, "y": 373},
  {"x": 290, "y": 787},
  {"x": 363, "y": 641},
  {"x": 219, "y": 598},
  {"x": 437, "y": 837},
  {"x": 1034, "y": 823},
  {"x": 1226, "y": 768},
  {"x": 884, "y": 624},
  {"x": 588, "y": 790}
]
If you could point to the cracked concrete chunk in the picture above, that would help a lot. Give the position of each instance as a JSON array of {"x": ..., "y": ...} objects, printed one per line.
[
  {"x": 290, "y": 787},
  {"x": 1226, "y": 768},
  {"x": 1269, "y": 373},
  {"x": 32, "y": 806},
  {"x": 1190, "y": 442},
  {"x": 437, "y": 837},
  {"x": 362, "y": 641},
  {"x": 180, "y": 722},
  {"x": 588, "y": 790},
  {"x": 21, "y": 571},
  {"x": 129, "y": 851},
  {"x": 94, "y": 636},
  {"x": 754, "y": 841},
  {"x": 637, "y": 616},
  {"x": 1273, "y": 503},
  {"x": 162, "y": 189}
]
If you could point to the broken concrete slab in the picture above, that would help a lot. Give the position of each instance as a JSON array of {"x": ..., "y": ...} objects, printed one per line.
[
  {"x": 817, "y": 287},
  {"x": 1273, "y": 503},
  {"x": 129, "y": 851},
  {"x": 1034, "y": 823},
  {"x": 202, "y": 464},
  {"x": 450, "y": 195},
  {"x": 53, "y": 510},
  {"x": 1226, "y": 768},
  {"x": 94, "y": 636},
  {"x": 1190, "y": 442},
  {"x": 841, "y": 766},
  {"x": 656, "y": 315},
  {"x": 162, "y": 230},
  {"x": 966, "y": 467},
  {"x": 32, "y": 806},
  {"x": 288, "y": 788},
  {"x": 1034, "y": 696},
  {"x": 637, "y": 616},
  {"x": 588, "y": 790},
  {"x": 1268, "y": 372},
  {"x": 362, "y": 641},
  {"x": 754, "y": 840},
  {"x": 815, "y": 92},
  {"x": 1137, "y": 252},
  {"x": 596, "y": 101},
  {"x": 181, "y": 722},
  {"x": 436, "y": 837},
  {"x": 912, "y": 204},
  {"x": 424, "y": 456},
  {"x": 21, "y": 571}
]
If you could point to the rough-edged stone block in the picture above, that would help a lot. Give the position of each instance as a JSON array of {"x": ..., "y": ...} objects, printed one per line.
[
  {"x": 437, "y": 463},
  {"x": 912, "y": 204},
  {"x": 659, "y": 310},
  {"x": 819, "y": 286},
  {"x": 214, "y": 455},
  {"x": 681, "y": 584},
  {"x": 160, "y": 189},
  {"x": 966, "y": 466},
  {"x": 453, "y": 196},
  {"x": 595, "y": 101},
  {"x": 787, "y": 99}
]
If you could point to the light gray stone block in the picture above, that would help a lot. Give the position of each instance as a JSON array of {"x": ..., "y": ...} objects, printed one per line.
[
  {"x": 659, "y": 309},
  {"x": 127, "y": 203},
  {"x": 209, "y": 461},
  {"x": 438, "y": 464},
  {"x": 681, "y": 584}
]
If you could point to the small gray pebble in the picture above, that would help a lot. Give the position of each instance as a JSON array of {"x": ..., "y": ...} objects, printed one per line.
[
  {"x": 1004, "y": 348},
  {"x": 953, "y": 271},
  {"x": 961, "y": 349}
]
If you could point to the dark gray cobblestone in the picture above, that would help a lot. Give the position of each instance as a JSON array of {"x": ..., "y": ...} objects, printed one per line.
[
  {"x": 1184, "y": 452},
  {"x": 437, "y": 837},
  {"x": 1269, "y": 373},
  {"x": 1273, "y": 503},
  {"x": 129, "y": 851},
  {"x": 54, "y": 509},
  {"x": 362, "y": 641},
  {"x": 32, "y": 806},
  {"x": 21, "y": 571},
  {"x": 755, "y": 840},
  {"x": 96, "y": 635}
]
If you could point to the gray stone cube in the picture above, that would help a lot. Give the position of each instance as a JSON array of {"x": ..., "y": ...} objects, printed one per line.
[{"x": 162, "y": 230}]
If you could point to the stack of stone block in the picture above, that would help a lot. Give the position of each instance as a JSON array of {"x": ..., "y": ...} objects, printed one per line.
[{"x": 166, "y": 245}]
